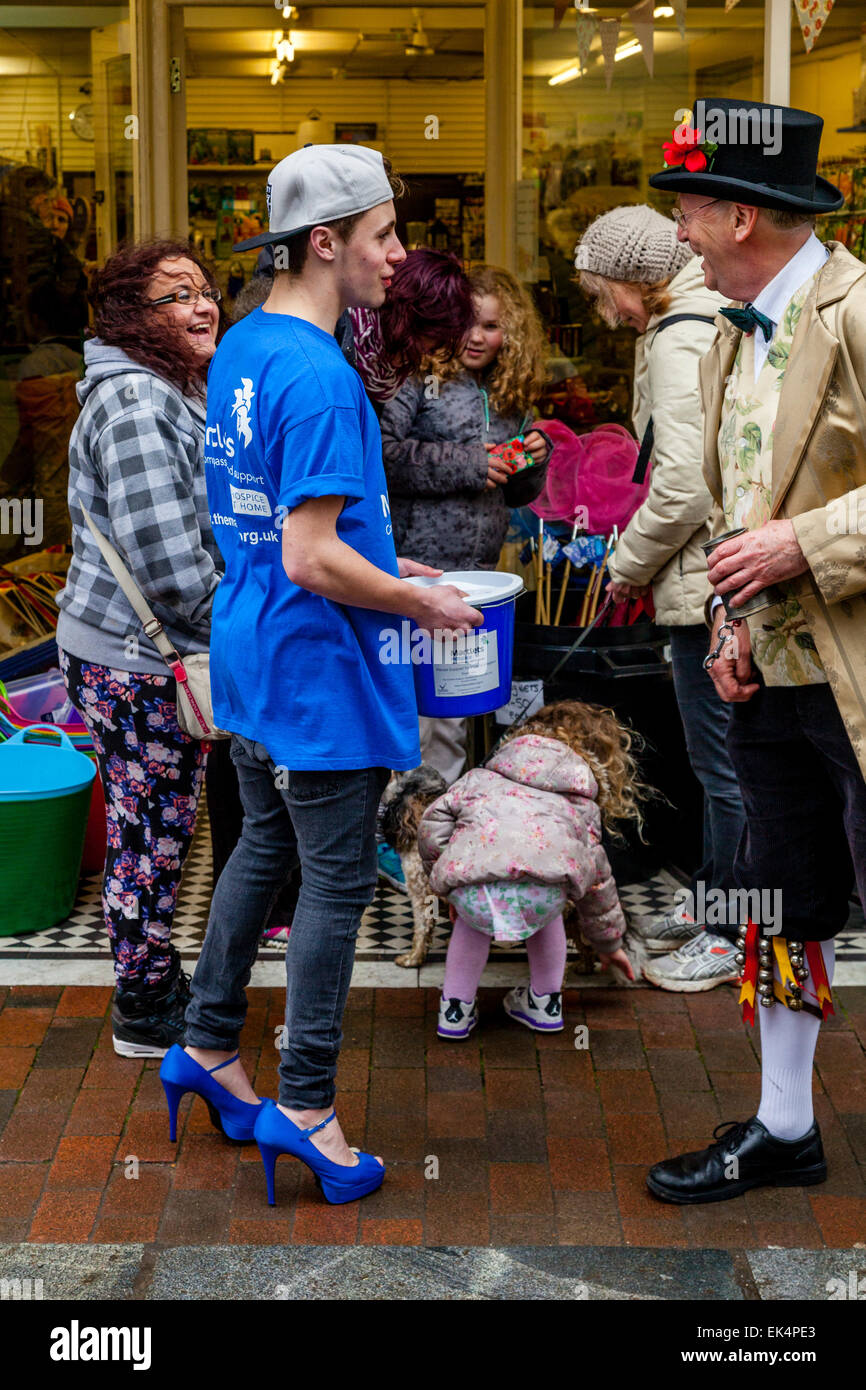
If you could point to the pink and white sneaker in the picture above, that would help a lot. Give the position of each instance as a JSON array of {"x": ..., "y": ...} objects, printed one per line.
[{"x": 277, "y": 934}]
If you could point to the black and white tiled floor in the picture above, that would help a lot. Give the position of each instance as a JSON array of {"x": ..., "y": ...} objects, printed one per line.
[{"x": 77, "y": 950}]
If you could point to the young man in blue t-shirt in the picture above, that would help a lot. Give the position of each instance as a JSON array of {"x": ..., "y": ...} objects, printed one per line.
[{"x": 299, "y": 507}]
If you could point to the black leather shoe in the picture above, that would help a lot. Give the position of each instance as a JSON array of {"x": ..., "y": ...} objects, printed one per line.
[{"x": 745, "y": 1155}]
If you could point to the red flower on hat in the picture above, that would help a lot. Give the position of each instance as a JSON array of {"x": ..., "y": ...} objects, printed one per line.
[
  {"x": 687, "y": 147},
  {"x": 683, "y": 140}
]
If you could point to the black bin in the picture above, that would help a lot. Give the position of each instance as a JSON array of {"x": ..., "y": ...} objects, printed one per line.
[{"x": 626, "y": 670}]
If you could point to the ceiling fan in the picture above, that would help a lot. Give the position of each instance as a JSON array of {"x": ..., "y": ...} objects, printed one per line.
[
  {"x": 415, "y": 41},
  {"x": 416, "y": 44}
]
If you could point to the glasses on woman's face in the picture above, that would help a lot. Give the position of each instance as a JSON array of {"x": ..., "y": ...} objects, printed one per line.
[
  {"x": 682, "y": 218},
  {"x": 187, "y": 296}
]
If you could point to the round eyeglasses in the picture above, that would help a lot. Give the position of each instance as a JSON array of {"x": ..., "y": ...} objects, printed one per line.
[
  {"x": 186, "y": 296},
  {"x": 682, "y": 218}
]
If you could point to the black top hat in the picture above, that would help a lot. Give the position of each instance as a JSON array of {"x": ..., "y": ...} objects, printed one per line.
[{"x": 766, "y": 157}]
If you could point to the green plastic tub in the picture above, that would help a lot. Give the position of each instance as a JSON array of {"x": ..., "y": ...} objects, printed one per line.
[{"x": 45, "y": 791}]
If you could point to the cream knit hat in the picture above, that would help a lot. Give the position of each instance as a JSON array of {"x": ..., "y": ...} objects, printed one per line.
[{"x": 632, "y": 243}]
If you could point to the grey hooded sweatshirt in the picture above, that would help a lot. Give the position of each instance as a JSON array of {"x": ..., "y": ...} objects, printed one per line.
[{"x": 136, "y": 461}]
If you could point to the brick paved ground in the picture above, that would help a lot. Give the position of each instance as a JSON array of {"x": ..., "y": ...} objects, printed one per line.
[{"x": 537, "y": 1143}]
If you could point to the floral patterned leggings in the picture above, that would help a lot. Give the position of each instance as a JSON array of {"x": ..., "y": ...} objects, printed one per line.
[{"x": 152, "y": 775}]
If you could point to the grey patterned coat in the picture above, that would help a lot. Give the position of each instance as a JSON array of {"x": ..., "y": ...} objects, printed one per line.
[
  {"x": 436, "y": 466},
  {"x": 136, "y": 461}
]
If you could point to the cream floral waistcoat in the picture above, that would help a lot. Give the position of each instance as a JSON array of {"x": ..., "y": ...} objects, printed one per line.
[{"x": 782, "y": 645}]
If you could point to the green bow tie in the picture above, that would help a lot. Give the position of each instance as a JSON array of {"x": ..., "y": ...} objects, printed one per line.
[{"x": 748, "y": 319}]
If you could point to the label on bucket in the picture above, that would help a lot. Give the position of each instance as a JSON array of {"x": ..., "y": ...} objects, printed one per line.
[
  {"x": 467, "y": 667},
  {"x": 527, "y": 698}
]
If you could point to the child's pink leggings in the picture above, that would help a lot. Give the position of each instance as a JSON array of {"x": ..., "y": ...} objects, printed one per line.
[{"x": 467, "y": 955}]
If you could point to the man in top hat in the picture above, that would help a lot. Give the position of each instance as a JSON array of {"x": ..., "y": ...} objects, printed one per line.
[{"x": 784, "y": 397}]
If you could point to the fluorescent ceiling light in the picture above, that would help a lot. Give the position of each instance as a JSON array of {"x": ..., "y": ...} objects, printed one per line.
[
  {"x": 628, "y": 50},
  {"x": 567, "y": 75},
  {"x": 664, "y": 12}
]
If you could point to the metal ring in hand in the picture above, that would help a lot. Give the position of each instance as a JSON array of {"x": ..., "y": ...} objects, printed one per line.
[{"x": 725, "y": 631}]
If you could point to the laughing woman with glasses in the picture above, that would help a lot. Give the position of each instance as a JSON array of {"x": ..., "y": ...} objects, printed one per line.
[{"x": 136, "y": 462}]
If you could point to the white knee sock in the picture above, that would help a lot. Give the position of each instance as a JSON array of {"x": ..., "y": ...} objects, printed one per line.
[{"x": 788, "y": 1043}]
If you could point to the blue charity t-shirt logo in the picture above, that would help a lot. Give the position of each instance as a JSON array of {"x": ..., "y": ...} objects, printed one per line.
[{"x": 241, "y": 409}]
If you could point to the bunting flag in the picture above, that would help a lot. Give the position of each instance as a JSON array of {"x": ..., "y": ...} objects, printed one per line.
[
  {"x": 815, "y": 961},
  {"x": 641, "y": 19},
  {"x": 587, "y": 28},
  {"x": 559, "y": 10},
  {"x": 729, "y": 5},
  {"x": 750, "y": 974},
  {"x": 609, "y": 29},
  {"x": 679, "y": 8},
  {"x": 812, "y": 15}
]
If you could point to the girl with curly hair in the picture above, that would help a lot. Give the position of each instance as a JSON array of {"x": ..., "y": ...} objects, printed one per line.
[
  {"x": 136, "y": 462},
  {"x": 512, "y": 842},
  {"x": 449, "y": 496}
]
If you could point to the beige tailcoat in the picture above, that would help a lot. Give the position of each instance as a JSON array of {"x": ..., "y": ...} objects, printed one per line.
[{"x": 819, "y": 469}]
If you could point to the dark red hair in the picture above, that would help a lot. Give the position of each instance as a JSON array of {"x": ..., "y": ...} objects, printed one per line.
[
  {"x": 121, "y": 317},
  {"x": 429, "y": 308}
]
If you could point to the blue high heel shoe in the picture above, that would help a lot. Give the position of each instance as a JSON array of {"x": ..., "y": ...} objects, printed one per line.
[
  {"x": 234, "y": 1118},
  {"x": 276, "y": 1134}
]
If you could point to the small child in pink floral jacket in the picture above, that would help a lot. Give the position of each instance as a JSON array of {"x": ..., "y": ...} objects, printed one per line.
[{"x": 508, "y": 844}]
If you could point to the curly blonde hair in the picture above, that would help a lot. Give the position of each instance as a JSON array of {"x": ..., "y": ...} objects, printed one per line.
[
  {"x": 596, "y": 735},
  {"x": 518, "y": 374}
]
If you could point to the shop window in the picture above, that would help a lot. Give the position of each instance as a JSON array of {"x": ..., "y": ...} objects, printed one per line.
[
  {"x": 830, "y": 79},
  {"x": 66, "y": 152},
  {"x": 588, "y": 148},
  {"x": 413, "y": 90}
]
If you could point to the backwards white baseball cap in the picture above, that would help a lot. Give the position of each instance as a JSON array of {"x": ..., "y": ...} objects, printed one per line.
[{"x": 321, "y": 183}]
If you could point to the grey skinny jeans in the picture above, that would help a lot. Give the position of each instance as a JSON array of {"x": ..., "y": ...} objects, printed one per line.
[{"x": 327, "y": 822}]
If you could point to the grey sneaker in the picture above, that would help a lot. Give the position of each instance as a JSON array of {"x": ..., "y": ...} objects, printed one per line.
[
  {"x": 704, "y": 962},
  {"x": 666, "y": 933},
  {"x": 541, "y": 1012}
]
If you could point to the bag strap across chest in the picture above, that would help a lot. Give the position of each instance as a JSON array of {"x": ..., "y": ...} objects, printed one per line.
[{"x": 646, "y": 444}]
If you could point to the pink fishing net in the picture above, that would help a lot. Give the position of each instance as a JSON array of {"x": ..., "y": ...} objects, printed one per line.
[{"x": 591, "y": 471}]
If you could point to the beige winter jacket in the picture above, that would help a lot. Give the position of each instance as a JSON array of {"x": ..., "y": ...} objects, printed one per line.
[
  {"x": 819, "y": 469},
  {"x": 662, "y": 543}
]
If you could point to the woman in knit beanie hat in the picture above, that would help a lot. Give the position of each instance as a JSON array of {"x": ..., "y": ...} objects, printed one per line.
[
  {"x": 632, "y": 264},
  {"x": 632, "y": 248}
]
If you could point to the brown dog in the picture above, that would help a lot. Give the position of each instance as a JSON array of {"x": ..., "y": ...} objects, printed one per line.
[{"x": 406, "y": 798}]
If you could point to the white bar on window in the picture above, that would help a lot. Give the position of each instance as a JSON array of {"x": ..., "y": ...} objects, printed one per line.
[{"x": 777, "y": 51}]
